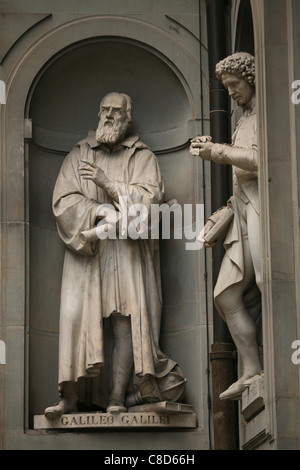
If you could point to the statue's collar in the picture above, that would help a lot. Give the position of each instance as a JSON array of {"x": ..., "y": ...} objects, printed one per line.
[{"x": 128, "y": 142}]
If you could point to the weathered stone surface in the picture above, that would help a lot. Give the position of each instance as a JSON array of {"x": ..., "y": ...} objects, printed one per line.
[
  {"x": 107, "y": 420},
  {"x": 163, "y": 407}
]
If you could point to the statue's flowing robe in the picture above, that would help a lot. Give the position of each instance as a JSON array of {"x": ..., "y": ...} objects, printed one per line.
[{"x": 111, "y": 276}]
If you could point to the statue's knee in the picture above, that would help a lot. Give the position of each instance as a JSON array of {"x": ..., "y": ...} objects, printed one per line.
[
  {"x": 229, "y": 301},
  {"x": 225, "y": 301}
]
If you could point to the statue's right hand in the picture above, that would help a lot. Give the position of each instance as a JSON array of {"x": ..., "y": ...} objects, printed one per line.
[
  {"x": 90, "y": 171},
  {"x": 201, "y": 147}
]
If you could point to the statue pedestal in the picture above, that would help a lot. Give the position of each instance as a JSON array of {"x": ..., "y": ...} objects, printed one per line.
[
  {"x": 253, "y": 399},
  {"x": 162, "y": 415}
]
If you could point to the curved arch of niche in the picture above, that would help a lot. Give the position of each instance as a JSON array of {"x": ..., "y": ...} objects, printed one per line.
[
  {"x": 76, "y": 78},
  {"x": 184, "y": 63}
]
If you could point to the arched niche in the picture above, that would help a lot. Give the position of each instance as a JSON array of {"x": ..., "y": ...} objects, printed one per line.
[
  {"x": 63, "y": 104},
  {"x": 65, "y": 101}
]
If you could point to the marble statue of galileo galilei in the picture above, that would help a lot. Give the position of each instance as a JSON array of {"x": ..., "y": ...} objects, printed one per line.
[{"x": 116, "y": 278}]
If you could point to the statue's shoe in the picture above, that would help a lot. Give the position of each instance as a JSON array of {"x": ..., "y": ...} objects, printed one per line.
[
  {"x": 63, "y": 407},
  {"x": 234, "y": 392},
  {"x": 115, "y": 405},
  {"x": 255, "y": 377},
  {"x": 115, "y": 409}
]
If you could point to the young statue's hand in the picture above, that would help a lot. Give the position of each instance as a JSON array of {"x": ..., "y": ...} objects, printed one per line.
[{"x": 201, "y": 148}]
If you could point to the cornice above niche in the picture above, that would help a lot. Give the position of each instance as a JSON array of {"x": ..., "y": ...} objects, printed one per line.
[{"x": 13, "y": 26}]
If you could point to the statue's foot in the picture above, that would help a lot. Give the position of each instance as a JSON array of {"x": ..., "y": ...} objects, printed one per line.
[
  {"x": 115, "y": 409},
  {"x": 252, "y": 379},
  {"x": 63, "y": 407},
  {"x": 234, "y": 392},
  {"x": 115, "y": 406}
]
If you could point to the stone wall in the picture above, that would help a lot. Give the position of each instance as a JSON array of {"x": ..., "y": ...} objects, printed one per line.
[{"x": 57, "y": 60}]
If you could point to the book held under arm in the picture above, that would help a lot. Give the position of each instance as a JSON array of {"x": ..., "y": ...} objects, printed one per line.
[{"x": 219, "y": 223}]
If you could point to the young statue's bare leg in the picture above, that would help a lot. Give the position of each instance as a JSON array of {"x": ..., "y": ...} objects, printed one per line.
[{"x": 241, "y": 326}]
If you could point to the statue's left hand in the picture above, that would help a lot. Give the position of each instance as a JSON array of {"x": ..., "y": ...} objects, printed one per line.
[{"x": 90, "y": 171}]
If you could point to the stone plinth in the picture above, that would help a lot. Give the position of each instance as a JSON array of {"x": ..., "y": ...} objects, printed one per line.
[
  {"x": 163, "y": 415},
  {"x": 253, "y": 398}
]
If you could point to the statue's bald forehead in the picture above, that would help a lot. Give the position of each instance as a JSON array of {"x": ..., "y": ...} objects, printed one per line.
[{"x": 115, "y": 100}]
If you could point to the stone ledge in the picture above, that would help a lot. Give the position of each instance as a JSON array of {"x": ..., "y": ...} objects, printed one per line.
[
  {"x": 253, "y": 398},
  {"x": 162, "y": 415},
  {"x": 163, "y": 407}
]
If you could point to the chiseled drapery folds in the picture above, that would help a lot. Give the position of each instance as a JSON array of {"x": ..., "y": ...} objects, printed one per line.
[{"x": 104, "y": 277}]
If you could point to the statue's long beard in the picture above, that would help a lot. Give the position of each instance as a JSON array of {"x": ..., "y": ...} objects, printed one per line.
[{"x": 110, "y": 134}]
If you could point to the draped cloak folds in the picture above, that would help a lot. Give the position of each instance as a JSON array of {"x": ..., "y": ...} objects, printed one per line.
[
  {"x": 110, "y": 276},
  {"x": 242, "y": 155}
]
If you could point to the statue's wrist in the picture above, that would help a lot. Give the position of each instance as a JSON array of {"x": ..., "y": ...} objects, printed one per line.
[{"x": 218, "y": 153}]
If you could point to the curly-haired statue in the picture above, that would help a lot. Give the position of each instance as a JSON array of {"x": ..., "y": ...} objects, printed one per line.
[
  {"x": 241, "y": 64},
  {"x": 240, "y": 270}
]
